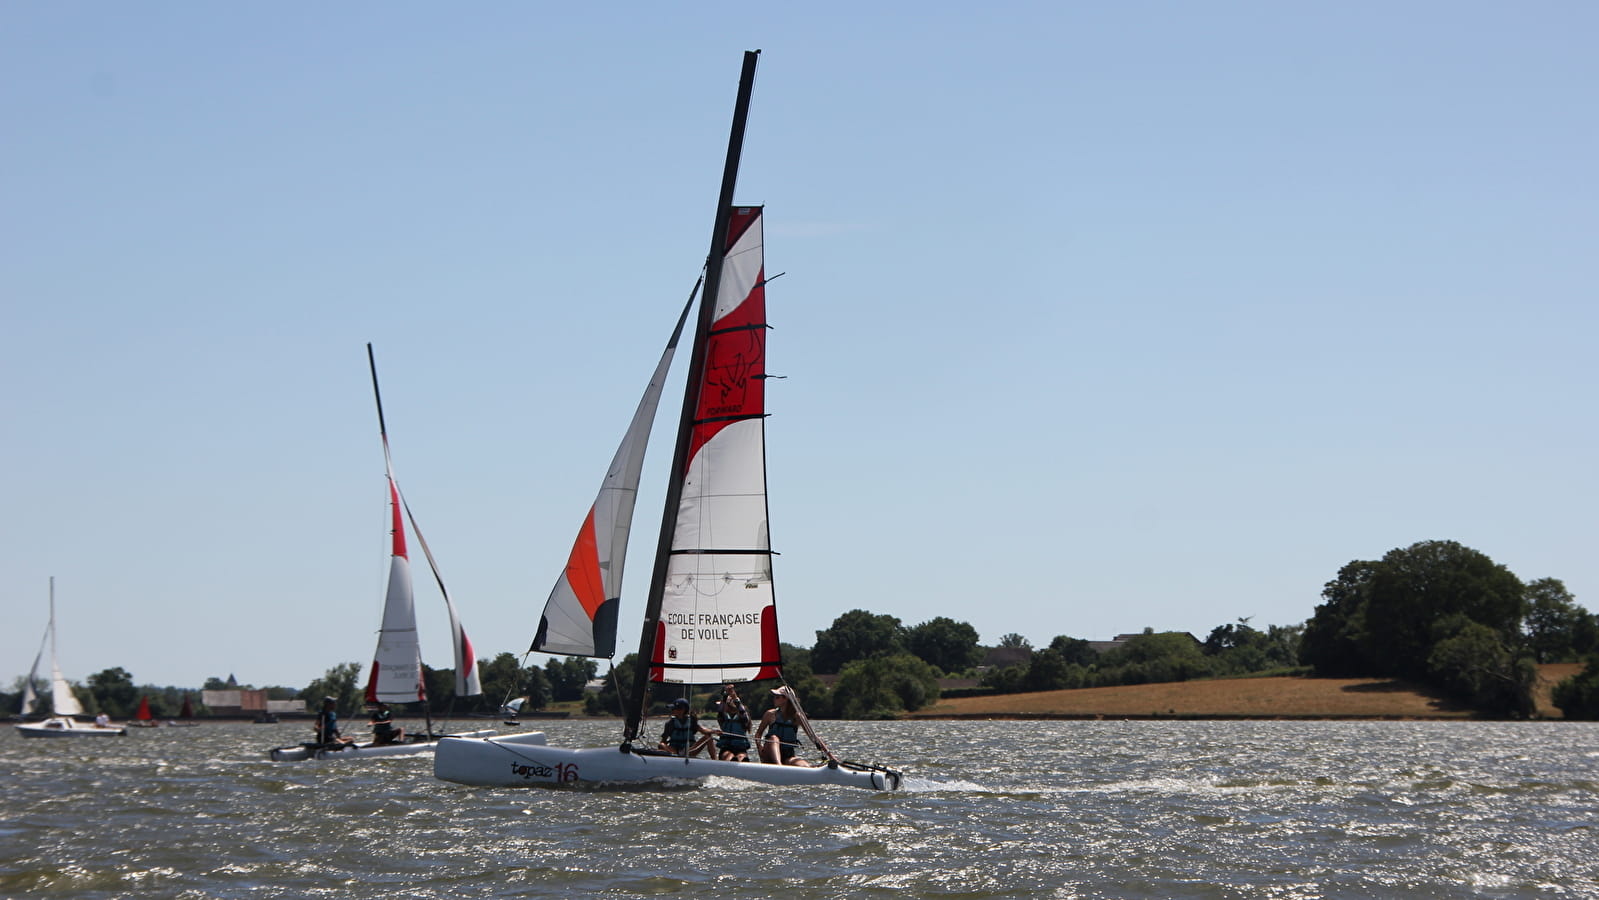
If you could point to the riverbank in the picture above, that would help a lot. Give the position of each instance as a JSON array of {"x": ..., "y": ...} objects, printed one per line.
[{"x": 1237, "y": 698}]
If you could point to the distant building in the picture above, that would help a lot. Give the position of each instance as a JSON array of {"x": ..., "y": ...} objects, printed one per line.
[{"x": 235, "y": 703}]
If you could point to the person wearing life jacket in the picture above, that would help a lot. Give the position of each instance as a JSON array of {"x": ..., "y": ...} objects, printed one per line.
[
  {"x": 679, "y": 735},
  {"x": 383, "y": 727},
  {"x": 780, "y": 728},
  {"x": 733, "y": 720},
  {"x": 327, "y": 726}
]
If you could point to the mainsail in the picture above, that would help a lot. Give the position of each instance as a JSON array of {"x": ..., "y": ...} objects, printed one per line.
[
  {"x": 580, "y": 615},
  {"x": 718, "y": 614},
  {"x": 397, "y": 665}
]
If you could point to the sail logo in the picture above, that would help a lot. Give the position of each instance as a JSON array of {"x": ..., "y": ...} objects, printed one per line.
[{"x": 729, "y": 368}]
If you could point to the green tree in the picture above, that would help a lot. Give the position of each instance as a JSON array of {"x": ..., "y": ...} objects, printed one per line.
[
  {"x": 855, "y": 635},
  {"x": 884, "y": 687},
  {"x": 1471, "y": 662},
  {"x": 1015, "y": 640},
  {"x": 1152, "y": 657},
  {"x": 113, "y": 692},
  {"x": 567, "y": 677},
  {"x": 342, "y": 683},
  {"x": 1050, "y": 670},
  {"x": 1075, "y": 651},
  {"x": 1336, "y": 638},
  {"x": 1578, "y": 696},
  {"x": 1556, "y": 628},
  {"x": 944, "y": 643}
]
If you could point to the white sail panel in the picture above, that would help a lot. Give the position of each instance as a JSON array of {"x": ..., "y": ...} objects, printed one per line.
[
  {"x": 61, "y": 696},
  {"x": 397, "y": 665},
  {"x": 743, "y": 268}
]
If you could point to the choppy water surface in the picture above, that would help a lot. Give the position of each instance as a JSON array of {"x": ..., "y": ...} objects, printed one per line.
[{"x": 996, "y": 809}]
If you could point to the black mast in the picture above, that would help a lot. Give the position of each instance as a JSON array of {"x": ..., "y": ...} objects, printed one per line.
[{"x": 696, "y": 373}]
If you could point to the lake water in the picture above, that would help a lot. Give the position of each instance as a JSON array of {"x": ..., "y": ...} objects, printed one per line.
[{"x": 995, "y": 809}]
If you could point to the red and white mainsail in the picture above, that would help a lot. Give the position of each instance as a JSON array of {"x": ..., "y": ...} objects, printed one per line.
[
  {"x": 397, "y": 665},
  {"x": 718, "y": 615},
  {"x": 580, "y": 615}
]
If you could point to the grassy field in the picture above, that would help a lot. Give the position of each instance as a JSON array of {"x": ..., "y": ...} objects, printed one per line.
[{"x": 1254, "y": 698}]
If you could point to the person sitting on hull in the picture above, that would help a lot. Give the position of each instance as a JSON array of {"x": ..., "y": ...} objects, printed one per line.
[
  {"x": 780, "y": 728},
  {"x": 384, "y": 731},
  {"x": 733, "y": 721},
  {"x": 683, "y": 734},
  {"x": 327, "y": 727}
]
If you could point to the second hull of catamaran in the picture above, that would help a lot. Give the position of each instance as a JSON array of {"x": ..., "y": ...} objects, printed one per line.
[
  {"x": 61, "y": 727},
  {"x": 519, "y": 760},
  {"x": 301, "y": 752}
]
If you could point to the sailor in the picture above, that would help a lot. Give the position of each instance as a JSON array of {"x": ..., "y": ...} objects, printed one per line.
[
  {"x": 733, "y": 720},
  {"x": 383, "y": 728},
  {"x": 780, "y": 728},
  {"x": 679, "y": 735},
  {"x": 327, "y": 725}
]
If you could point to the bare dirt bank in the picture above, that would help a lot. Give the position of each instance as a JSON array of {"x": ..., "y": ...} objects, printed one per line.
[{"x": 1237, "y": 698}]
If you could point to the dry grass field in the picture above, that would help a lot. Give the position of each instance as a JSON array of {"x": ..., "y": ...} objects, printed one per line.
[{"x": 1253, "y": 698}]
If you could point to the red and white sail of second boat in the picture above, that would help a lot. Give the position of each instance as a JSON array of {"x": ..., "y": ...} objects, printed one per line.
[
  {"x": 580, "y": 616},
  {"x": 718, "y": 614},
  {"x": 396, "y": 674}
]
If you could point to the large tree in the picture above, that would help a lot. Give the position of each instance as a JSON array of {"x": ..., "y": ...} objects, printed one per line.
[
  {"x": 883, "y": 686},
  {"x": 342, "y": 683},
  {"x": 854, "y": 635},
  {"x": 945, "y": 643},
  {"x": 113, "y": 692},
  {"x": 1417, "y": 586}
]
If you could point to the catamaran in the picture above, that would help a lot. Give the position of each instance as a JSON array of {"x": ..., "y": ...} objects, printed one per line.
[
  {"x": 711, "y": 615},
  {"x": 396, "y": 675},
  {"x": 63, "y": 703}
]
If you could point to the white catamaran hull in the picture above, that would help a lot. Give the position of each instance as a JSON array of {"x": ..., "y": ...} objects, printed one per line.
[
  {"x": 68, "y": 728},
  {"x": 363, "y": 751},
  {"x": 518, "y": 760}
]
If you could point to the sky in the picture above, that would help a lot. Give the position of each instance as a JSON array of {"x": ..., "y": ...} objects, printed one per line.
[{"x": 1095, "y": 317}]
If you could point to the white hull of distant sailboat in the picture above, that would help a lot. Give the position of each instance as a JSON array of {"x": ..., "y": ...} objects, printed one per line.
[
  {"x": 61, "y": 727},
  {"x": 521, "y": 760}
]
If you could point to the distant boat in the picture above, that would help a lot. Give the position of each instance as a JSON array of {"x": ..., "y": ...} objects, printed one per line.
[
  {"x": 143, "y": 718},
  {"x": 396, "y": 675},
  {"x": 185, "y": 717},
  {"x": 64, "y": 704},
  {"x": 711, "y": 615}
]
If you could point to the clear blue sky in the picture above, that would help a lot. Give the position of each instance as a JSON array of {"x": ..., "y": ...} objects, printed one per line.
[{"x": 1097, "y": 316}]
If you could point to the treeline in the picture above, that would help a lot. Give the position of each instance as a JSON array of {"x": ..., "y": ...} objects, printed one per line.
[{"x": 1436, "y": 613}]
